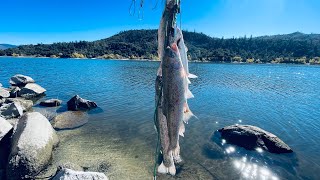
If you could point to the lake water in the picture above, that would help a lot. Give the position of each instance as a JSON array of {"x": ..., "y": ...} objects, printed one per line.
[{"x": 120, "y": 139}]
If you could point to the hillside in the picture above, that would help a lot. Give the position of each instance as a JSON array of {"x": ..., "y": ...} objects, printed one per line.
[
  {"x": 138, "y": 44},
  {"x": 6, "y": 46}
]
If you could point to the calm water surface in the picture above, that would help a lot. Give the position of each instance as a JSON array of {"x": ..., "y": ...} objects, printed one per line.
[{"x": 120, "y": 139}]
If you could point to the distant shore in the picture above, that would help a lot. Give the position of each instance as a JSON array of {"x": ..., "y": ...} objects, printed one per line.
[{"x": 152, "y": 60}]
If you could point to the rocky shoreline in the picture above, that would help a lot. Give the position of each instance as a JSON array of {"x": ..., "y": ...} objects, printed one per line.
[{"x": 28, "y": 138}]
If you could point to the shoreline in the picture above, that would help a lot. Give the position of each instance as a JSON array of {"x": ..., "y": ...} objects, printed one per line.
[{"x": 150, "y": 60}]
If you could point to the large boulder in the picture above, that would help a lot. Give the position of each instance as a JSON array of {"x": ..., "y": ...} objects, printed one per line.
[
  {"x": 251, "y": 137},
  {"x": 70, "y": 120},
  {"x": 26, "y": 104},
  {"x": 5, "y": 127},
  {"x": 51, "y": 103},
  {"x": 14, "y": 91},
  {"x": 31, "y": 90},
  {"x": 20, "y": 80},
  {"x": 68, "y": 174},
  {"x": 32, "y": 143},
  {"x": 4, "y": 93},
  {"x": 77, "y": 103},
  {"x": 2, "y": 100},
  {"x": 5, "y": 134},
  {"x": 11, "y": 110}
]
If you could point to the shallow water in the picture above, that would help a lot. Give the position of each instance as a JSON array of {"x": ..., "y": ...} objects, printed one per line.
[{"x": 120, "y": 139}]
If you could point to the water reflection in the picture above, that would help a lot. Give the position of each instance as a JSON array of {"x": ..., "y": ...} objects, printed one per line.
[
  {"x": 250, "y": 170},
  {"x": 248, "y": 165}
]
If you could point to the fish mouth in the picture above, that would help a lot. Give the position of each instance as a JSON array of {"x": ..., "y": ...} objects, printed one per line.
[{"x": 174, "y": 47}]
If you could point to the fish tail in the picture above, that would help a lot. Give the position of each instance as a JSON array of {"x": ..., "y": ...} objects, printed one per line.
[{"x": 162, "y": 169}]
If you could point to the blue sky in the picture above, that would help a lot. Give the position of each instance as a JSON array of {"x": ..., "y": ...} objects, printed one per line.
[{"x": 47, "y": 21}]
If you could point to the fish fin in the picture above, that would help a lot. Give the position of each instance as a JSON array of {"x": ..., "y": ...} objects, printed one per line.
[
  {"x": 189, "y": 94},
  {"x": 182, "y": 129},
  {"x": 176, "y": 151},
  {"x": 186, "y": 48},
  {"x": 162, "y": 169},
  {"x": 176, "y": 154},
  {"x": 188, "y": 81},
  {"x": 177, "y": 159},
  {"x": 192, "y": 76},
  {"x": 187, "y": 114},
  {"x": 172, "y": 170},
  {"x": 155, "y": 128}
]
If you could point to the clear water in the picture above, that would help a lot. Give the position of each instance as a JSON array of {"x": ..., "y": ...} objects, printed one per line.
[{"x": 120, "y": 139}]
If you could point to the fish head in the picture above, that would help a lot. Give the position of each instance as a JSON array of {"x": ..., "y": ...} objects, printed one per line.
[{"x": 172, "y": 57}]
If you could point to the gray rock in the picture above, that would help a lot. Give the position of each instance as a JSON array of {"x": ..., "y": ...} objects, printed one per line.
[
  {"x": 77, "y": 103},
  {"x": 51, "y": 103},
  {"x": 2, "y": 100},
  {"x": 13, "y": 121},
  {"x": 68, "y": 174},
  {"x": 251, "y": 137},
  {"x": 5, "y": 127},
  {"x": 11, "y": 110},
  {"x": 32, "y": 143},
  {"x": 4, "y": 93},
  {"x": 70, "y": 120},
  {"x": 26, "y": 104},
  {"x": 31, "y": 90},
  {"x": 14, "y": 91},
  {"x": 20, "y": 80}
]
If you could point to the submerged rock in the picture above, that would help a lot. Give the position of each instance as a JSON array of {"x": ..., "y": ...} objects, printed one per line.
[
  {"x": 11, "y": 110},
  {"x": 251, "y": 137},
  {"x": 70, "y": 120},
  {"x": 77, "y": 103},
  {"x": 5, "y": 127},
  {"x": 49, "y": 114},
  {"x": 26, "y": 104},
  {"x": 68, "y": 174},
  {"x": 51, "y": 103},
  {"x": 32, "y": 143},
  {"x": 20, "y": 80},
  {"x": 4, "y": 93},
  {"x": 31, "y": 90}
]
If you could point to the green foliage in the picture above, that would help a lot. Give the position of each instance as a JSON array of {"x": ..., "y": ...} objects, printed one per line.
[{"x": 142, "y": 44}]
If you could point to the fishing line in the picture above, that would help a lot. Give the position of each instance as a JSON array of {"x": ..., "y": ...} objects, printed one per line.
[
  {"x": 140, "y": 17},
  {"x": 156, "y": 5},
  {"x": 133, "y": 5}
]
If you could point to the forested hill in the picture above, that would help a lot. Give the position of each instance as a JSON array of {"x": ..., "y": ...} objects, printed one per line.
[
  {"x": 142, "y": 44},
  {"x": 6, "y": 46}
]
